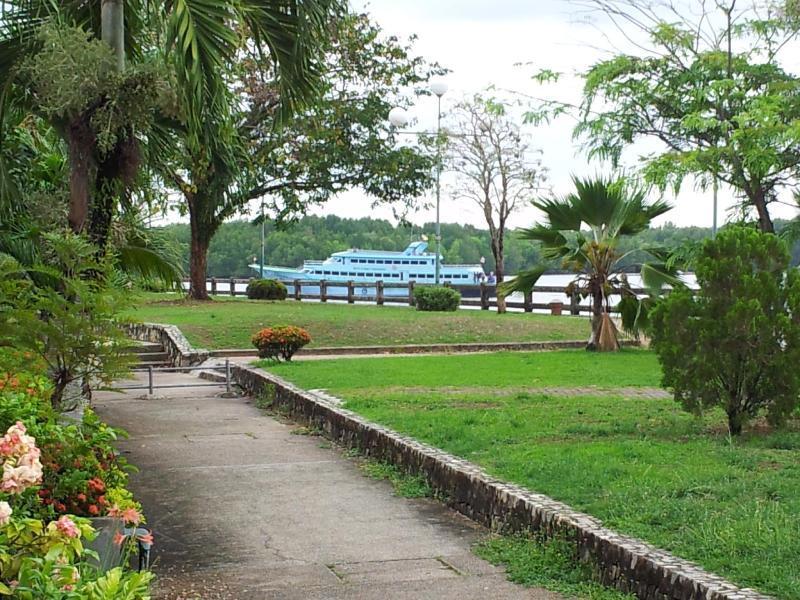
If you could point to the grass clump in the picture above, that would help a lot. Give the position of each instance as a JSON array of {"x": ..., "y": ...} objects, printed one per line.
[
  {"x": 551, "y": 565},
  {"x": 405, "y": 485}
]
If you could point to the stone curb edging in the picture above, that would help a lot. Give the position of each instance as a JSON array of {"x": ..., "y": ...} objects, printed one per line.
[
  {"x": 180, "y": 351},
  {"x": 625, "y": 563},
  {"x": 421, "y": 348}
]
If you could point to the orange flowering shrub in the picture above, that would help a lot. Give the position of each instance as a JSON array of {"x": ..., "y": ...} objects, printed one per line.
[{"x": 280, "y": 342}]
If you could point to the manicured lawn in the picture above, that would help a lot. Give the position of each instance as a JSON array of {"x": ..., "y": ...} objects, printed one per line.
[
  {"x": 230, "y": 323},
  {"x": 642, "y": 465}
]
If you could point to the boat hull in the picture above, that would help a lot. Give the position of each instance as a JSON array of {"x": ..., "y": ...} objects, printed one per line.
[{"x": 337, "y": 288}]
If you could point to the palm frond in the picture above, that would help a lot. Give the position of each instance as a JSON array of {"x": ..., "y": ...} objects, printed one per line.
[
  {"x": 657, "y": 276},
  {"x": 146, "y": 263},
  {"x": 292, "y": 33},
  {"x": 523, "y": 282}
]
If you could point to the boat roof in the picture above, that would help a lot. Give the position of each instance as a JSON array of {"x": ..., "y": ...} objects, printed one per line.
[{"x": 413, "y": 249}]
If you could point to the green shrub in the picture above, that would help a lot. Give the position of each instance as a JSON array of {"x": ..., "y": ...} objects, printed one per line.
[
  {"x": 436, "y": 298},
  {"x": 266, "y": 289},
  {"x": 280, "y": 342},
  {"x": 735, "y": 343}
]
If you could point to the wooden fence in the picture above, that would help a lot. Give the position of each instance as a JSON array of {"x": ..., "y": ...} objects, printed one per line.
[{"x": 478, "y": 295}]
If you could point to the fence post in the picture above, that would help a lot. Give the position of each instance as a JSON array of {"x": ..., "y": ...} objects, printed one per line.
[
  {"x": 411, "y": 293},
  {"x": 233, "y": 287},
  {"x": 484, "y": 296},
  {"x": 574, "y": 308},
  {"x": 379, "y": 292},
  {"x": 213, "y": 286},
  {"x": 298, "y": 295},
  {"x": 150, "y": 380},
  {"x": 228, "y": 375},
  {"x": 323, "y": 291},
  {"x": 527, "y": 301},
  {"x": 350, "y": 293}
]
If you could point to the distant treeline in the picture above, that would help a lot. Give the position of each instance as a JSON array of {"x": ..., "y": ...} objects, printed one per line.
[{"x": 315, "y": 238}]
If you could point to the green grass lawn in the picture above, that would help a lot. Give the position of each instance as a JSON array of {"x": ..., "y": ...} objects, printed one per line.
[
  {"x": 230, "y": 323},
  {"x": 642, "y": 465}
]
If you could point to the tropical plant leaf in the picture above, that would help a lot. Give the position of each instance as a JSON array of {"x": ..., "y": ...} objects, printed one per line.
[{"x": 523, "y": 282}]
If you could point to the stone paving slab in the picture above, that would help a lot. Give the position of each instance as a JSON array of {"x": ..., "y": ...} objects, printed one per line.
[{"x": 243, "y": 509}]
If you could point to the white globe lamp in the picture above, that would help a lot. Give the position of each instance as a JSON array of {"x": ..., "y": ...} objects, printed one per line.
[
  {"x": 438, "y": 87},
  {"x": 398, "y": 117}
]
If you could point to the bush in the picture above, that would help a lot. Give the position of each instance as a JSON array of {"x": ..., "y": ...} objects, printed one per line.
[
  {"x": 735, "y": 343},
  {"x": 266, "y": 289},
  {"x": 280, "y": 342},
  {"x": 436, "y": 298}
]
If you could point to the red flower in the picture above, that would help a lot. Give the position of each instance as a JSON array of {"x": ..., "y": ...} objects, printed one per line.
[
  {"x": 96, "y": 485},
  {"x": 93, "y": 510}
]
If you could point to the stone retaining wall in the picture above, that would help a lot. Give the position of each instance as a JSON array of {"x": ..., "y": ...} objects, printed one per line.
[
  {"x": 180, "y": 351},
  {"x": 422, "y": 348},
  {"x": 625, "y": 563}
]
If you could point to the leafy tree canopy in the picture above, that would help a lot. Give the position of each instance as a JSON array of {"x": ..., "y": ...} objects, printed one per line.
[{"x": 714, "y": 92}]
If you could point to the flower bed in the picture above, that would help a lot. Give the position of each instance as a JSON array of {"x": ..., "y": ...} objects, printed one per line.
[{"x": 55, "y": 475}]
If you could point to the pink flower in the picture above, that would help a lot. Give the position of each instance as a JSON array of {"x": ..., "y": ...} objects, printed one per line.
[
  {"x": 131, "y": 515},
  {"x": 145, "y": 538},
  {"x": 5, "y": 513},
  {"x": 67, "y": 526},
  {"x": 118, "y": 539}
]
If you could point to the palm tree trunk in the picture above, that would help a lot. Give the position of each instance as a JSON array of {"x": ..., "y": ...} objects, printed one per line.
[
  {"x": 198, "y": 257},
  {"x": 82, "y": 168},
  {"x": 112, "y": 28}
]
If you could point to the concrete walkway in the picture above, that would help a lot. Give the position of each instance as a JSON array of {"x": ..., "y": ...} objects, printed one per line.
[{"x": 244, "y": 509}]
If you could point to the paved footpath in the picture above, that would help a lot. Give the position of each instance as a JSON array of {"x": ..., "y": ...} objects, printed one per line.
[{"x": 244, "y": 509}]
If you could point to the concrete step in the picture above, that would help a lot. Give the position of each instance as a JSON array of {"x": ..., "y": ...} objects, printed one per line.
[
  {"x": 149, "y": 357},
  {"x": 146, "y": 348},
  {"x": 143, "y": 365}
]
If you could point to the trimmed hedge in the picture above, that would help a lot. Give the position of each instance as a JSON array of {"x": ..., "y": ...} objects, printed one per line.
[
  {"x": 436, "y": 298},
  {"x": 266, "y": 289}
]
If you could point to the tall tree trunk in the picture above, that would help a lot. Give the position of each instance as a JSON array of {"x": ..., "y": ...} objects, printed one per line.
[
  {"x": 735, "y": 418},
  {"x": 499, "y": 267},
  {"x": 759, "y": 199},
  {"x": 198, "y": 263},
  {"x": 112, "y": 28},
  {"x": 198, "y": 256},
  {"x": 80, "y": 143}
]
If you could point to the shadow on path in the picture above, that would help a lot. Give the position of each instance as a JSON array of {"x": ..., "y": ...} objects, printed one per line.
[{"x": 243, "y": 509}]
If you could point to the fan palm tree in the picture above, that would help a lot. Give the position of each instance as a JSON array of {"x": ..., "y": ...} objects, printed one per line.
[
  {"x": 199, "y": 37},
  {"x": 582, "y": 230}
]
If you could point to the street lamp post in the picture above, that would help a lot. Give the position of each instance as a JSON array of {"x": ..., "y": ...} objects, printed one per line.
[
  {"x": 261, "y": 271},
  {"x": 399, "y": 118}
]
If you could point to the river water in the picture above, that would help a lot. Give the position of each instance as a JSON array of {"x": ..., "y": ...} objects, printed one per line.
[{"x": 554, "y": 280}]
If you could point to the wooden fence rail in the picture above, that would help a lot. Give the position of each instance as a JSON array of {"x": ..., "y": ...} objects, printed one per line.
[{"x": 477, "y": 295}]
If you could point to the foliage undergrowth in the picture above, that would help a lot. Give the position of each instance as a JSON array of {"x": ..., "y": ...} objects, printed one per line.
[
  {"x": 405, "y": 484},
  {"x": 551, "y": 565}
]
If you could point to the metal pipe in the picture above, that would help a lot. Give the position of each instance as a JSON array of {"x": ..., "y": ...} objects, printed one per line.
[
  {"x": 228, "y": 375},
  {"x": 261, "y": 271},
  {"x": 150, "y": 380}
]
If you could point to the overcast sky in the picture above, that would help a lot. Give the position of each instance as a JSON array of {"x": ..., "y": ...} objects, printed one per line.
[{"x": 481, "y": 42}]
